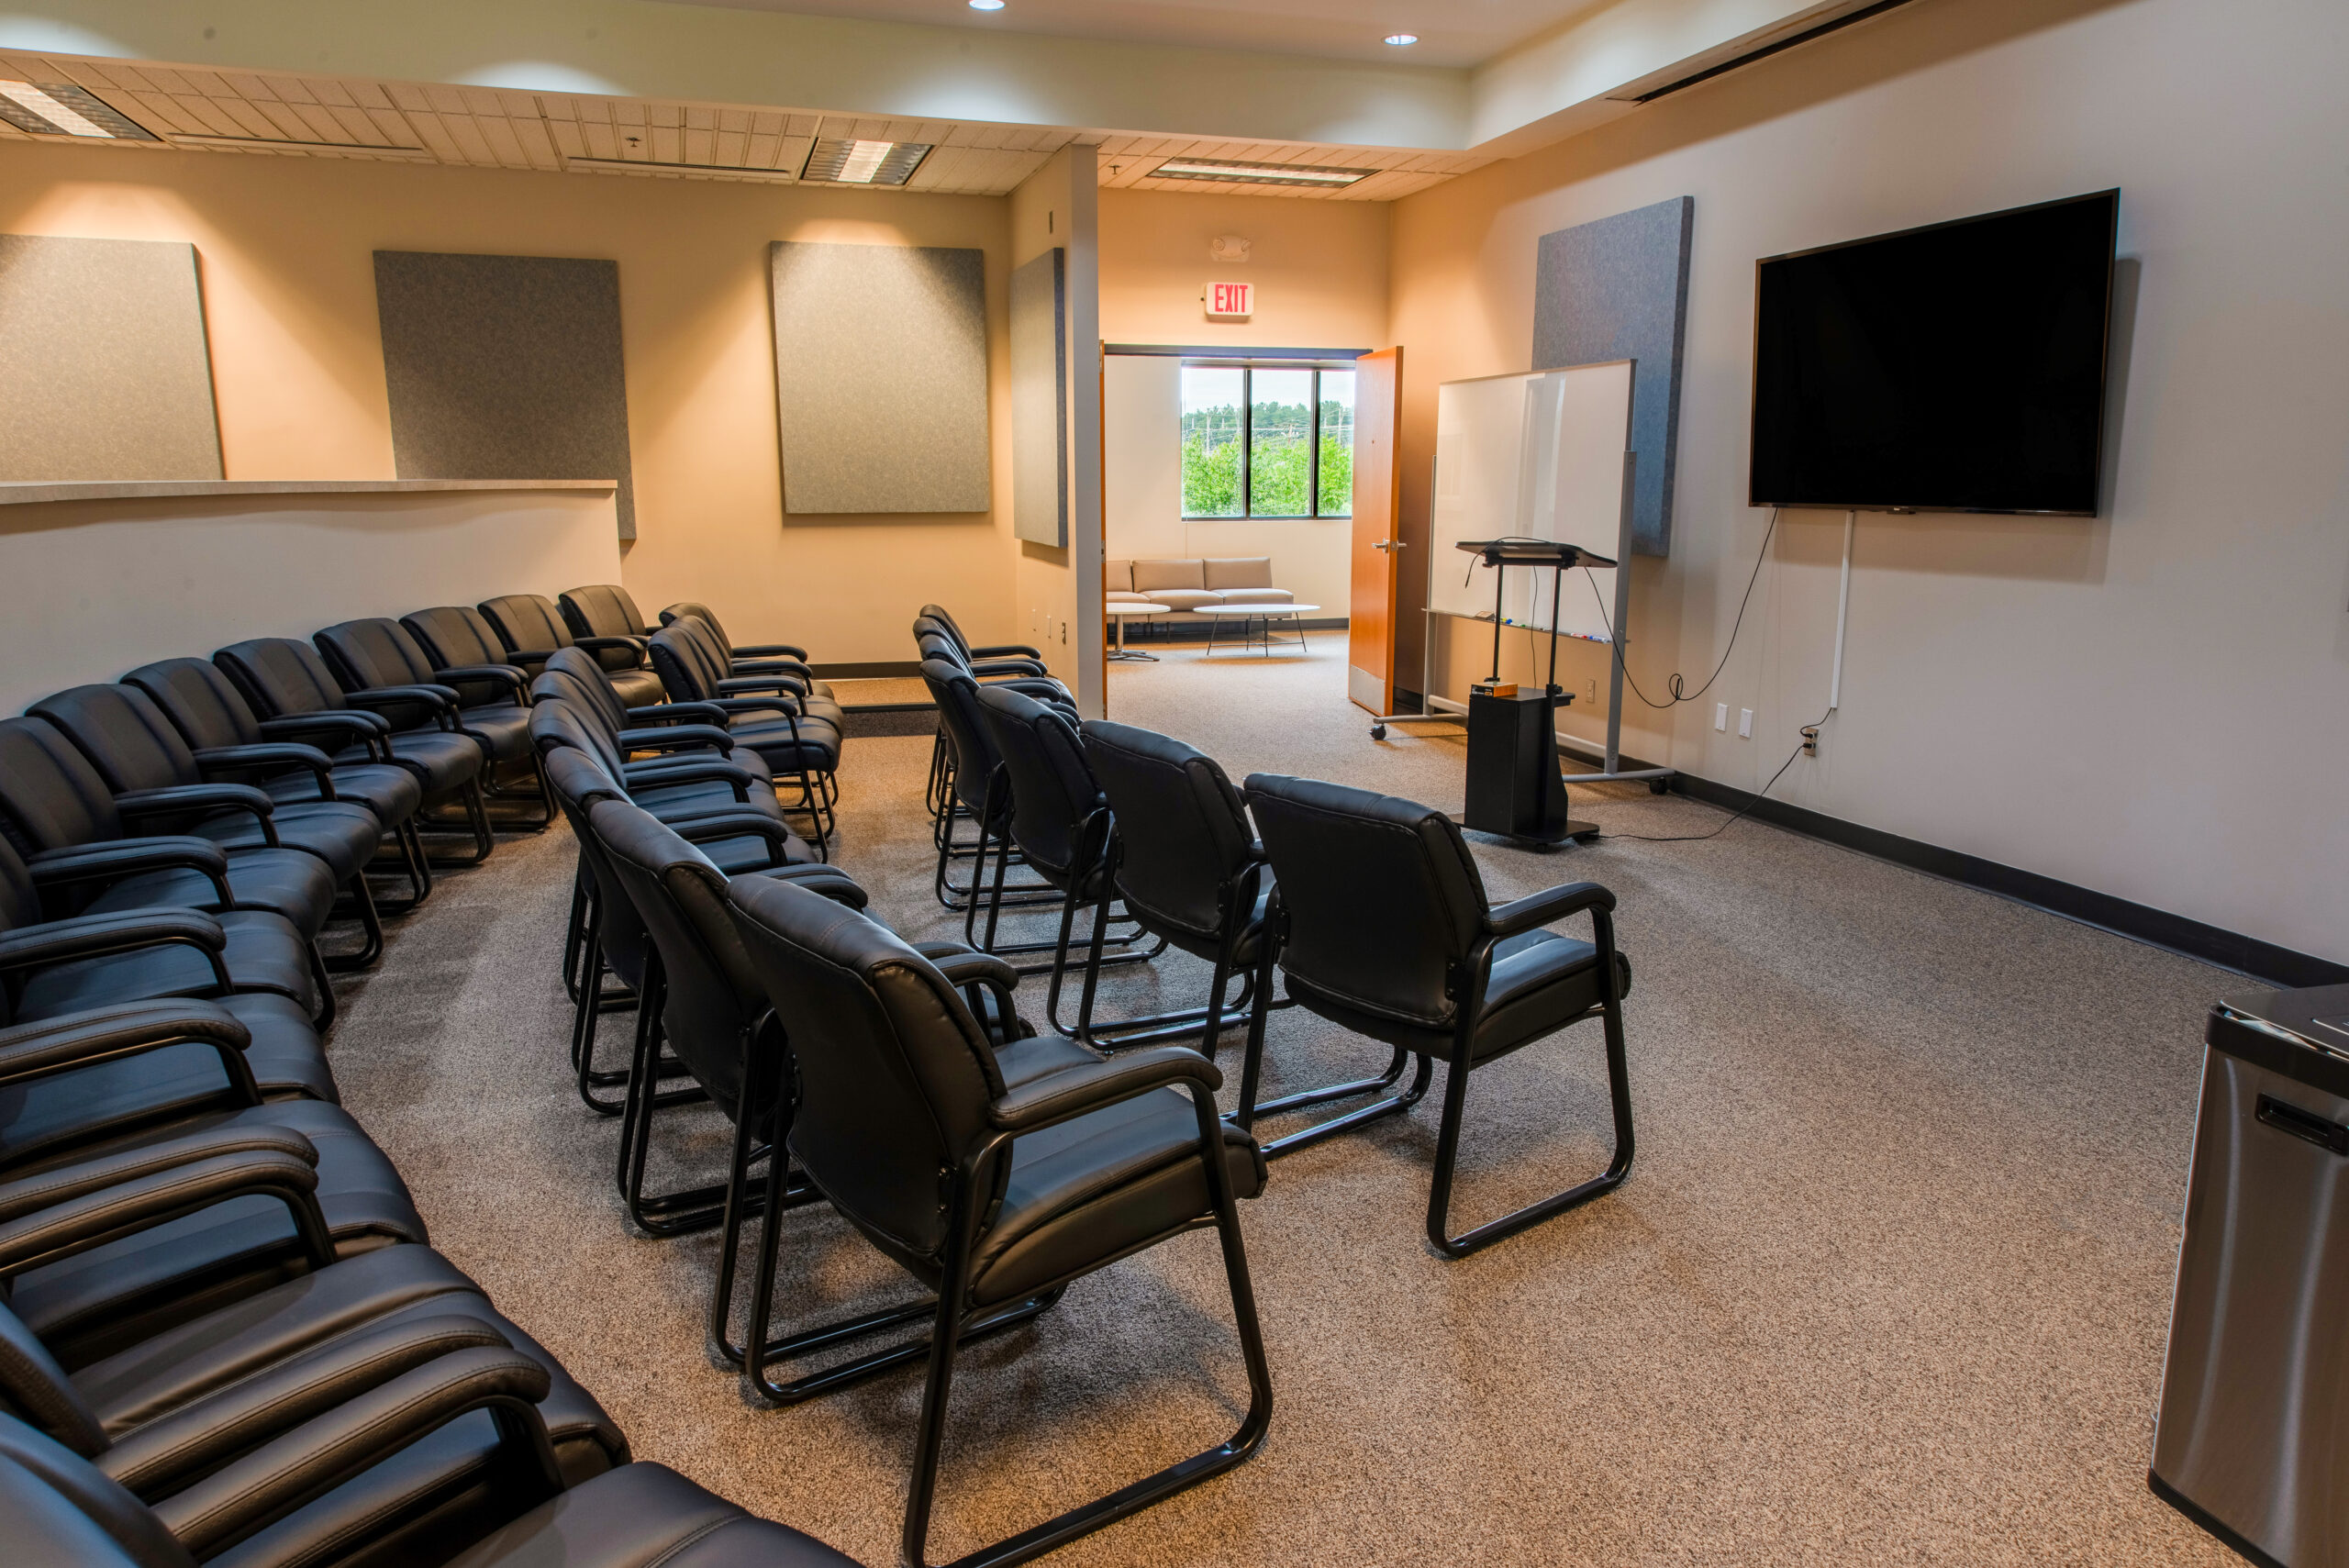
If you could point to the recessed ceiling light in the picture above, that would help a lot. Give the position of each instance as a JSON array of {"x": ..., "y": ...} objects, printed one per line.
[
  {"x": 846, "y": 160},
  {"x": 1257, "y": 173},
  {"x": 59, "y": 109},
  {"x": 1400, "y": 40},
  {"x": 986, "y": 4}
]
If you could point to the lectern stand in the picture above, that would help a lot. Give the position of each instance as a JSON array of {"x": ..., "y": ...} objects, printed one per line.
[{"x": 1516, "y": 787}]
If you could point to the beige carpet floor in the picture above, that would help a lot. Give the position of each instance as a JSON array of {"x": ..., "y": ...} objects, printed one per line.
[{"x": 1888, "y": 1282}]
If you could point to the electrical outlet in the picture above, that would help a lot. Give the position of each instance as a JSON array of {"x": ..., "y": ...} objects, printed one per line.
[
  {"x": 1721, "y": 716},
  {"x": 1810, "y": 740},
  {"x": 1590, "y": 690},
  {"x": 1746, "y": 724}
]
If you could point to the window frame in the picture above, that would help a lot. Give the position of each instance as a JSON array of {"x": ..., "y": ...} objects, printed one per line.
[{"x": 1247, "y": 369}]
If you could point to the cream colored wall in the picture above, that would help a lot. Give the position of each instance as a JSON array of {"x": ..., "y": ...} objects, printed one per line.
[
  {"x": 1321, "y": 272},
  {"x": 286, "y": 247},
  {"x": 1142, "y": 411},
  {"x": 2149, "y": 703}
]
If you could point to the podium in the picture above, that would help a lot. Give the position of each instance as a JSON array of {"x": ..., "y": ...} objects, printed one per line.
[{"x": 1516, "y": 786}]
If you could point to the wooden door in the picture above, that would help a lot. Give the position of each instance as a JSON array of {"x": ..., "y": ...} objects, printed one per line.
[{"x": 1377, "y": 549}]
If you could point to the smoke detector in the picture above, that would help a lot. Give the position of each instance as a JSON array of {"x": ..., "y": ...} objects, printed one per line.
[{"x": 1228, "y": 248}]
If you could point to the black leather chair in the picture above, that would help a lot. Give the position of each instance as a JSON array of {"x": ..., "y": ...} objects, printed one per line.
[
  {"x": 1017, "y": 658},
  {"x": 795, "y": 742},
  {"x": 604, "y": 610},
  {"x": 136, "y": 1227},
  {"x": 84, "y": 861},
  {"x": 931, "y": 641},
  {"x": 1384, "y": 930},
  {"x": 288, "y": 681},
  {"x": 231, "y": 740},
  {"x": 159, "y": 784},
  {"x": 57, "y": 1508},
  {"x": 751, "y": 658},
  {"x": 719, "y": 678},
  {"x": 995, "y": 1197},
  {"x": 575, "y": 677},
  {"x": 532, "y": 629},
  {"x": 488, "y": 700},
  {"x": 976, "y": 793}
]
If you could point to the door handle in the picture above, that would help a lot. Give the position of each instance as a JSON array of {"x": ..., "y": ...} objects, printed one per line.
[{"x": 1388, "y": 544}]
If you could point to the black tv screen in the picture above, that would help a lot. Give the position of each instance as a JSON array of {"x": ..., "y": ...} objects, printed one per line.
[{"x": 1958, "y": 368}]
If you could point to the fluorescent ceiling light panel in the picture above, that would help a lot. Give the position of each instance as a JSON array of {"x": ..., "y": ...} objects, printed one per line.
[
  {"x": 1258, "y": 174},
  {"x": 57, "y": 108},
  {"x": 846, "y": 160}
]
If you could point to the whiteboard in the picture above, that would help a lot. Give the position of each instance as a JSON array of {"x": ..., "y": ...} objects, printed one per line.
[{"x": 1539, "y": 455}]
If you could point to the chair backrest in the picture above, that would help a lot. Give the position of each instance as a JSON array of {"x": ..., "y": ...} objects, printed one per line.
[
  {"x": 603, "y": 609},
  {"x": 566, "y": 723},
  {"x": 451, "y": 635},
  {"x": 1237, "y": 571},
  {"x": 967, "y": 735},
  {"x": 201, "y": 703},
  {"x": 278, "y": 676},
  {"x": 572, "y": 675},
  {"x": 526, "y": 623},
  {"x": 947, "y": 624},
  {"x": 712, "y": 1003},
  {"x": 691, "y": 659},
  {"x": 50, "y": 797},
  {"x": 686, "y": 609},
  {"x": 376, "y": 651},
  {"x": 895, "y": 1075},
  {"x": 1382, "y": 896},
  {"x": 20, "y": 898},
  {"x": 1053, "y": 793},
  {"x": 58, "y": 1508},
  {"x": 1183, "y": 835},
  {"x": 579, "y": 782},
  {"x": 125, "y": 737},
  {"x": 33, "y": 1387}
]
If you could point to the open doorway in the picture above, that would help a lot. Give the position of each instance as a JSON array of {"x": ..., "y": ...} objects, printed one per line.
[{"x": 1228, "y": 501}]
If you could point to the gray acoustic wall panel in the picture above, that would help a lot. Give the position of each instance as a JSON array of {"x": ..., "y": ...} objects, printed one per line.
[
  {"x": 104, "y": 369},
  {"x": 1618, "y": 289},
  {"x": 506, "y": 367},
  {"x": 1040, "y": 399},
  {"x": 881, "y": 377}
]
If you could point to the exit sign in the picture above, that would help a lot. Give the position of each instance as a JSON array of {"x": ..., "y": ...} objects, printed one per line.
[{"x": 1231, "y": 302}]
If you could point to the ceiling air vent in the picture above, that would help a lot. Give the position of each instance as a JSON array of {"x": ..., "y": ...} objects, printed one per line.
[{"x": 1816, "y": 23}]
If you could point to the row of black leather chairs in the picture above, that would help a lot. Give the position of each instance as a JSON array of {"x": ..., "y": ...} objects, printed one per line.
[{"x": 224, "y": 1337}]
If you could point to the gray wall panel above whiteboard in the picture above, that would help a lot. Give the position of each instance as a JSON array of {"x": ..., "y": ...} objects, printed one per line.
[
  {"x": 881, "y": 377},
  {"x": 506, "y": 367},
  {"x": 1618, "y": 289},
  {"x": 1040, "y": 399},
  {"x": 104, "y": 369}
]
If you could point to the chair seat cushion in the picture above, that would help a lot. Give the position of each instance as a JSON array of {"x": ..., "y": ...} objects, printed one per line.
[
  {"x": 1207, "y": 944},
  {"x": 389, "y": 792},
  {"x": 284, "y": 881},
  {"x": 815, "y": 748},
  {"x": 637, "y": 688},
  {"x": 1100, "y": 1185},
  {"x": 442, "y": 761},
  {"x": 1185, "y": 598},
  {"x": 264, "y": 953},
  {"x": 1122, "y": 596},
  {"x": 502, "y": 728},
  {"x": 750, "y": 854},
  {"x": 1541, "y": 983},
  {"x": 646, "y": 1515},
  {"x": 243, "y": 1245},
  {"x": 685, "y": 802},
  {"x": 1257, "y": 597},
  {"x": 343, "y": 833}
]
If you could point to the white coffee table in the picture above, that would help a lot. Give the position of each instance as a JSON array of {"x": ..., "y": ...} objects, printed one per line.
[
  {"x": 1118, "y": 613},
  {"x": 1248, "y": 615}
]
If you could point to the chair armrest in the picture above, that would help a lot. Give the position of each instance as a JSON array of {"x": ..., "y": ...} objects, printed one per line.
[
  {"x": 79, "y": 936},
  {"x": 126, "y": 1028},
  {"x": 347, "y": 725},
  {"x": 61, "y": 1230},
  {"x": 1009, "y": 667},
  {"x": 1073, "y": 1091},
  {"x": 679, "y": 737},
  {"x": 782, "y": 706},
  {"x": 437, "y": 702},
  {"x": 185, "y": 1443},
  {"x": 829, "y": 881},
  {"x": 1550, "y": 904},
  {"x": 777, "y": 680},
  {"x": 1043, "y": 689},
  {"x": 767, "y": 650},
  {"x": 252, "y": 1493},
  {"x": 691, "y": 770},
  {"x": 678, "y": 713},
  {"x": 722, "y": 825},
  {"x": 508, "y": 678},
  {"x": 117, "y": 858},
  {"x": 63, "y": 1184},
  {"x": 593, "y": 643},
  {"x": 1007, "y": 650},
  {"x": 173, "y": 799},
  {"x": 967, "y": 966},
  {"x": 268, "y": 757}
]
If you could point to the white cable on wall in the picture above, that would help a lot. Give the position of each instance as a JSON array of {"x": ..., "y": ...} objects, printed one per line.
[{"x": 1842, "y": 615}]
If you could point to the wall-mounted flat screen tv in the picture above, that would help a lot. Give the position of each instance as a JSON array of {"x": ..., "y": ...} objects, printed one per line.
[{"x": 1958, "y": 368}]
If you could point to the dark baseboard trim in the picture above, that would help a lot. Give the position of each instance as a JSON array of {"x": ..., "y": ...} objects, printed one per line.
[
  {"x": 2159, "y": 927},
  {"x": 880, "y": 669}
]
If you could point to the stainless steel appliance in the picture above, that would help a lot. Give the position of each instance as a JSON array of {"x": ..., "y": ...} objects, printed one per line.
[{"x": 2253, "y": 1442}]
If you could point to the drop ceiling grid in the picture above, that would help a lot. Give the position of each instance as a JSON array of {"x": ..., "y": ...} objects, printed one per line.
[{"x": 507, "y": 129}]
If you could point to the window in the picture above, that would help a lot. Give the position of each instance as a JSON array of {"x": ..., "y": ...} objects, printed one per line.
[{"x": 1274, "y": 441}]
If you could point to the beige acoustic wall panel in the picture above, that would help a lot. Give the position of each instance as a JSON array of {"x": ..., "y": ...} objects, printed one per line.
[
  {"x": 1039, "y": 400},
  {"x": 881, "y": 377},
  {"x": 104, "y": 369}
]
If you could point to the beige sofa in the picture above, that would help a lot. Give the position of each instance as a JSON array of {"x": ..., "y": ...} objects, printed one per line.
[{"x": 1185, "y": 585}]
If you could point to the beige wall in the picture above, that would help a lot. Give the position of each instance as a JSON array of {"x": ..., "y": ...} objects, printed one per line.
[
  {"x": 286, "y": 246},
  {"x": 2150, "y": 703}
]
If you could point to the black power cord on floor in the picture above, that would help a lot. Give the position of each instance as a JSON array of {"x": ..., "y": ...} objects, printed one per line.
[{"x": 1810, "y": 739}]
